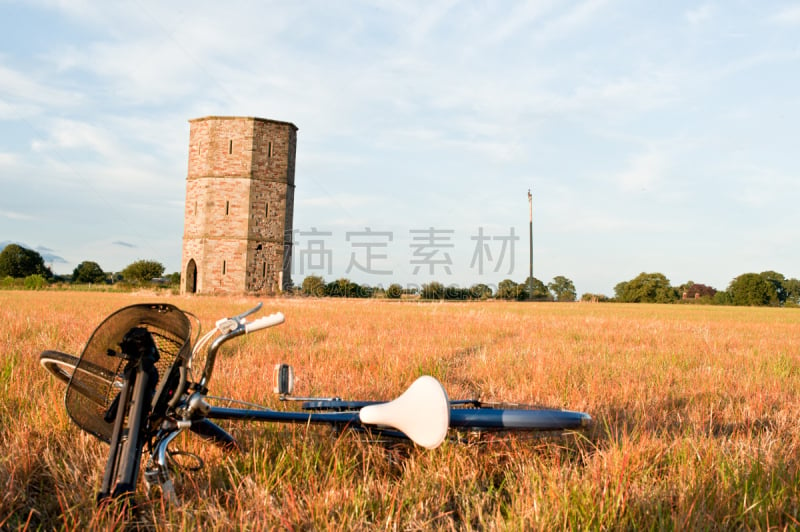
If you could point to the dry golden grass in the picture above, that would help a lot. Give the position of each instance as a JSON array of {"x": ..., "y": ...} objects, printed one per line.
[{"x": 695, "y": 412}]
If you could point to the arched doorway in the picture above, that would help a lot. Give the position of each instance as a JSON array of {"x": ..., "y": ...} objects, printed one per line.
[{"x": 190, "y": 285}]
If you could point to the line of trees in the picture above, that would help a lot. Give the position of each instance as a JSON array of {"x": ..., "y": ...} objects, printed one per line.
[
  {"x": 560, "y": 289},
  {"x": 23, "y": 267},
  {"x": 767, "y": 288},
  {"x": 20, "y": 265}
]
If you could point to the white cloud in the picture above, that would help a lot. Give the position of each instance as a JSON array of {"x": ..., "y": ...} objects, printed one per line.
[
  {"x": 641, "y": 91},
  {"x": 699, "y": 14},
  {"x": 107, "y": 158},
  {"x": 751, "y": 61},
  {"x": 145, "y": 71},
  {"x": 22, "y": 94},
  {"x": 584, "y": 221},
  {"x": 7, "y": 159},
  {"x": 430, "y": 17},
  {"x": 519, "y": 19},
  {"x": 336, "y": 200},
  {"x": 644, "y": 171},
  {"x": 467, "y": 139},
  {"x": 789, "y": 16},
  {"x": 575, "y": 19},
  {"x": 78, "y": 9},
  {"x": 64, "y": 134},
  {"x": 15, "y": 215},
  {"x": 760, "y": 187},
  {"x": 541, "y": 21},
  {"x": 16, "y": 111}
]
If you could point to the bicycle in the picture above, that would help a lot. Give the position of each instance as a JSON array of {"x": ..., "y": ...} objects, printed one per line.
[{"x": 134, "y": 387}]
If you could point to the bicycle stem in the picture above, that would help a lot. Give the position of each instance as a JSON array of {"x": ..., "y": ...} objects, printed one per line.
[
  {"x": 231, "y": 328},
  {"x": 212, "y": 354}
]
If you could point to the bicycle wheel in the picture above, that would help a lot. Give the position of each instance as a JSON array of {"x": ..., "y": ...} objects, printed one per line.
[
  {"x": 476, "y": 416},
  {"x": 62, "y": 366}
]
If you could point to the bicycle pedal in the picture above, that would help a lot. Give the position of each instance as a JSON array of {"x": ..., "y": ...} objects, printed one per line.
[{"x": 283, "y": 379}]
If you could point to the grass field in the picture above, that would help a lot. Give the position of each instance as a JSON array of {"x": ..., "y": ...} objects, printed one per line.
[{"x": 695, "y": 413}]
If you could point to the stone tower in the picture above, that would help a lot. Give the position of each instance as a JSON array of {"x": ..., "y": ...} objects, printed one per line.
[{"x": 237, "y": 235}]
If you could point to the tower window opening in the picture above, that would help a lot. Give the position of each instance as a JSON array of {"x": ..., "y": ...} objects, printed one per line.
[
  {"x": 227, "y": 207},
  {"x": 230, "y": 146},
  {"x": 264, "y": 270},
  {"x": 266, "y": 210},
  {"x": 269, "y": 149},
  {"x": 224, "y": 267}
]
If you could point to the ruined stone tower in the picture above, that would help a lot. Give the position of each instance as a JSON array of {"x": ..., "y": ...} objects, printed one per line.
[{"x": 237, "y": 235}]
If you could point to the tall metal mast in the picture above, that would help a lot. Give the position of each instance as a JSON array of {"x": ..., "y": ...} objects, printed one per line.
[{"x": 530, "y": 234}]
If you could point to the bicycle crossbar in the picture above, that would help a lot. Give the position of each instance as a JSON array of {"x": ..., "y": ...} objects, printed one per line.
[
  {"x": 244, "y": 414},
  {"x": 488, "y": 418}
]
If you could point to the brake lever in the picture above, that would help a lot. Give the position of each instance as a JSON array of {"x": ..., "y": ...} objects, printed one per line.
[
  {"x": 246, "y": 313},
  {"x": 227, "y": 325}
]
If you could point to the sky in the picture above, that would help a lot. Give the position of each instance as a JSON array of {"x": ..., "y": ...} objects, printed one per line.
[{"x": 654, "y": 136}]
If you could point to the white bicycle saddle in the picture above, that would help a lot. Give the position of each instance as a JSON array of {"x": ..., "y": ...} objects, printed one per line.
[{"x": 422, "y": 413}]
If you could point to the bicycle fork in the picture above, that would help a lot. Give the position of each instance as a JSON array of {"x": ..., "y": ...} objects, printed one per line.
[
  {"x": 160, "y": 464},
  {"x": 133, "y": 402},
  {"x": 157, "y": 471}
]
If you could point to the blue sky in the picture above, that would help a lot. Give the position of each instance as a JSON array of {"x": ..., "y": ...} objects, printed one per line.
[{"x": 656, "y": 136}]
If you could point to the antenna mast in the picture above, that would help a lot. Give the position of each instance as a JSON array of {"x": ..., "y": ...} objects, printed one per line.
[{"x": 530, "y": 235}]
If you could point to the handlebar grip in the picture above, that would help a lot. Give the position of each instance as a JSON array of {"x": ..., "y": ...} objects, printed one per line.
[{"x": 262, "y": 323}]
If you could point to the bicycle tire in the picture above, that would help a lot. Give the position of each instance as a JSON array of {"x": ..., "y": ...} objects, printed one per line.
[
  {"x": 55, "y": 361},
  {"x": 515, "y": 418},
  {"x": 62, "y": 366}
]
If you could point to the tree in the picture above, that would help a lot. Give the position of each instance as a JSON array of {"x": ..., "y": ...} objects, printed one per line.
[
  {"x": 480, "y": 291},
  {"x": 540, "y": 291},
  {"x": 792, "y": 287},
  {"x": 621, "y": 290},
  {"x": 456, "y": 292},
  {"x": 778, "y": 281},
  {"x": 314, "y": 286},
  {"x": 88, "y": 272},
  {"x": 563, "y": 289},
  {"x": 646, "y": 288},
  {"x": 753, "y": 289},
  {"x": 395, "y": 291},
  {"x": 342, "y": 288},
  {"x": 35, "y": 282},
  {"x": 432, "y": 290},
  {"x": 594, "y": 298},
  {"x": 722, "y": 298},
  {"x": 17, "y": 261},
  {"x": 508, "y": 289},
  {"x": 142, "y": 271},
  {"x": 364, "y": 291}
]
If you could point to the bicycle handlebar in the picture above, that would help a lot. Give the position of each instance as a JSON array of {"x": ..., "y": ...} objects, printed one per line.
[
  {"x": 233, "y": 327},
  {"x": 264, "y": 322}
]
